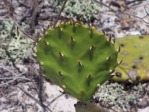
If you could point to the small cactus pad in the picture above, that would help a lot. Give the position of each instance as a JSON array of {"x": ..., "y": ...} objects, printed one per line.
[
  {"x": 134, "y": 54},
  {"x": 76, "y": 58}
]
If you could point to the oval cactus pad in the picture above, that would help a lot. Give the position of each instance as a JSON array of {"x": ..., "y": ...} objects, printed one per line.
[
  {"x": 76, "y": 58},
  {"x": 134, "y": 54}
]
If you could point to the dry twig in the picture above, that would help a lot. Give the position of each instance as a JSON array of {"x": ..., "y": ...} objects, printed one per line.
[
  {"x": 124, "y": 12},
  {"x": 37, "y": 101},
  {"x": 10, "y": 10},
  {"x": 60, "y": 13}
]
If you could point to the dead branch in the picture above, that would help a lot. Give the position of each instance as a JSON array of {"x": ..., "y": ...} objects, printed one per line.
[
  {"x": 13, "y": 78},
  {"x": 12, "y": 60},
  {"x": 60, "y": 13},
  {"x": 123, "y": 12},
  {"x": 10, "y": 10},
  {"x": 37, "y": 101}
]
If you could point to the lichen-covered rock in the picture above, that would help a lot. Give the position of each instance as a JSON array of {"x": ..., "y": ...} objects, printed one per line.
[
  {"x": 117, "y": 97},
  {"x": 76, "y": 58},
  {"x": 134, "y": 54}
]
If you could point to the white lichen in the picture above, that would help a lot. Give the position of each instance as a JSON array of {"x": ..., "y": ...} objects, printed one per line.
[
  {"x": 14, "y": 41},
  {"x": 83, "y": 9},
  {"x": 115, "y": 96}
]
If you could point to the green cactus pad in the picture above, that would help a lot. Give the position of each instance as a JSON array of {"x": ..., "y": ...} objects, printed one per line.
[
  {"x": 76, "y": 58},
  {"x": 134, "y": 54}
]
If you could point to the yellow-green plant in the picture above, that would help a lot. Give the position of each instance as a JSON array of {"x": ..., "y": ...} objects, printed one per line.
[{"x": 134, "y": 55}]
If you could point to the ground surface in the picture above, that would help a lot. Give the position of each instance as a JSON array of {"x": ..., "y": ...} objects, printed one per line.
[{"x": 21, "y": 87}]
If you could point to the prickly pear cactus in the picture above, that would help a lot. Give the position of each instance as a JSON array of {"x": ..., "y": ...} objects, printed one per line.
[
  {"x": 76, "y": 58},
  {"x": 134, "y": 54}
]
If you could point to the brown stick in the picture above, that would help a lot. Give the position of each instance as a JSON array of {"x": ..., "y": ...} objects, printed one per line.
[{"x": 60, "y": 12}]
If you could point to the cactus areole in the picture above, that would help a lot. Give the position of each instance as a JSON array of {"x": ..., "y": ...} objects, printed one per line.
[{"x": 76, "y": 58}]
